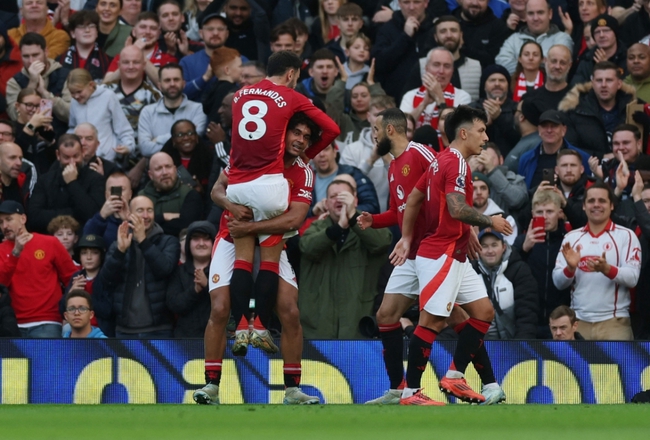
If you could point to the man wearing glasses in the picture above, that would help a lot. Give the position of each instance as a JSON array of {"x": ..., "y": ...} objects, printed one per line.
[
  {"x": 84, "y": 52},
  {"x": 78, "y": 313}
]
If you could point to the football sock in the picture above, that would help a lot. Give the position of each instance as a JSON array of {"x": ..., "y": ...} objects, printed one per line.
[
  {"x": 266, "y": 291},
  {"x": 241, "y": 287},
  {"x": 470, "y": 340},
  {"x": 393, "y": 353},
  {"x": 292, "y": 373},
  {"x": 481, "y": 361},
  {"x": 213, "y": 371},
  {"x": 419, "y": 353},
  {"x": 257, "y": 324}
]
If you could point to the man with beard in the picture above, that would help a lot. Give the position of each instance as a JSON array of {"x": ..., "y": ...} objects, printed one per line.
[
  {"x": 173, "y": 39},
  {"x": 68, "y": 188},
  {"x": 176, "y": 205},
  {"x": 557, "y": 64},
  {"x": 156, "y": 119},
  {"x": 17, "y": 175},
  {"x": 87, "y": 133},
  {"x": 486, "y": 206},
  {"x": 638, "y": 64},
  {"x": 483, "y": 32},
  {"x": 496, "y": 101},
  {"x": 249, "y": 28}
]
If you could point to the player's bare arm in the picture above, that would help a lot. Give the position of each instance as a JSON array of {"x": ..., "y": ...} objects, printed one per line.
[
  {"x": 460, "y": 210},
  {"x": 288, "y": 221},
  {"x": 218, "y": 195},
  {"x": 403, "y": 247}
]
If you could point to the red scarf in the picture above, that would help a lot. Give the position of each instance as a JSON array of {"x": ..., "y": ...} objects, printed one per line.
[
  {"x": 432, "y": 118},
  {"x": 520, "y": 87}
]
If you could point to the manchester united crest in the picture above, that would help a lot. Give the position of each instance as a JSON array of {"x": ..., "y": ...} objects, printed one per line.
[
  {"x": 39, "y": 254},
  {"x": 406, "y": 170},
  {"x": 215, "y": 278}
]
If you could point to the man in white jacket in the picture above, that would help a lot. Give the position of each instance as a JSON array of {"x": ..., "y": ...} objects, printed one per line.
[{"x": 601, "y": 262}]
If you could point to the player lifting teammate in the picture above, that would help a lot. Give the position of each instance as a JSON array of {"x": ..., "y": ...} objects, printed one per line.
[{"x": 445, "y": 275}]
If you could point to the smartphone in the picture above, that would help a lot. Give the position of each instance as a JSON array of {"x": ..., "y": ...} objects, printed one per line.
[
  {"x": 46, "y": 106},
  {"x": 116, "y": 191},
  {"x": 538, "y": 222},
  {"x": 548, "y": 175}
]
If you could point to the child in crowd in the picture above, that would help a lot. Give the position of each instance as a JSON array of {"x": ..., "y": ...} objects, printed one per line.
[
  {"x": 357, "y": 50},
  {"x": 65, "y": 228},
  {"x": 79, "y": 314},
  {"x": 350, "y": 19}
]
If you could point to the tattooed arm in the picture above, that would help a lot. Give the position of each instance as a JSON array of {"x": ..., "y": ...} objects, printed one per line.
[{"x": 460, "y": 210}]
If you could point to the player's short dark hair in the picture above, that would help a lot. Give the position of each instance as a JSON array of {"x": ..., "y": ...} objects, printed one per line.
[
  {"x": 561, "y": 311},
  {"x": 628, "y": 127},
  {"x": 79, "y": 293},
  {"x": 322, "y": 54},
  {"x": 68, "y": 140},
  {"x": 282, "y": 61},
  {"x": 33, "y": 39},
  {"x": 280, "y": 30},
  {"x": 298, "y": 26},
  {"x": 83, "y": 18},
  {"x": 301, "y": 118},
  {"x": 444, "y": 19},
  {"x": 462, "y": 115},
  {"x": 147, "y": 15},
  {"x": 600, "y": 184},
  {"x": 341, "y": 182},
  {"x": 394, "y": 117},
  {"x": 169, "y": 66}
]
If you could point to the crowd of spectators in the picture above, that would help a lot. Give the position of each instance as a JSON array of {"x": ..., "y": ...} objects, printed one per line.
[{"x": 115, "y": 124}]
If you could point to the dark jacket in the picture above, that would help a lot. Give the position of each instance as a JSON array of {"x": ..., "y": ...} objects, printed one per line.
[
  {"x": 182, "y": 199},
  {"x": 366, "y": 193},
  {"x": 214, "y": 97},
  {"x": 201, "y": 162},
  {"x": 192, "y": 309},
  {"x": 103, "y": 227},
  {"x": 586, "y": 65},
  {"x": 306, "y": 87},
  {"x": 541, "y": 260},
  {"x": 529, "y": 160},
  {"x": 585, "y": 128},
  {"x": 484, "y": 37},
  {"x": 8, "y": 323},
  {"x": 501, "y": 131},
  {"x": 252, "y": 38},
  {"x": 81, "y": 198},
  {"x": 160, "y": 253},
  {"x": 396, "y": 53},
  {"x": 512, "y": 278},
  {"x": 635, "y": 27},
  {"x": 22, "y": 186}
]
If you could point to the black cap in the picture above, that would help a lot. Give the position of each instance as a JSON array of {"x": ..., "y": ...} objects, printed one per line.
[
  {"x": 555, "y": 116},
  {"x": 604, "y": 20},
  {"x": 213, "y": 10},
  {"x": 11, "y": 207},
  {"x": 91, "y": 241},
  {"x": 490, "y": 231}
]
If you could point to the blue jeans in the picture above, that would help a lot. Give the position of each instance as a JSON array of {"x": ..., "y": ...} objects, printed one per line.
[
  {"x": 159, "y": 334},
  {"x": 41, "y": 331}
]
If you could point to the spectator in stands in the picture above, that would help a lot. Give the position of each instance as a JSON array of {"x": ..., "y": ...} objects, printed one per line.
[
  {"x": 600, "y": 248},
  {"x": 176, "y": 205},
  {"x": 192, "y": 11},
  {"x": 79, "y": 313},
  {"x": 525, "y": 121},
  {"x": 497, "y": 102},
  {"x": 638, "y": 64},
  {"x": 25, "y": 257},
  {"x": 67, "y": 189},
  {"x": 326, "y": 26},
  {"x": 641, "y": 316},
  {"x": 332, "y": 305},
  {"x": 17, "y": 176},
  {"x": 486, "y": 206},
  {"x": 349, "y": 17},
  {"x": 66, "y": 229},
  {"x": 136, "y": 273},
  {"x": 529, "y": 74},
  {"x": 595, "y": 109},
  {"x": 131, "y": 89},
  {"x": 398, "y": 45},
  {"x": 539, "y": 248},
  {"x": 252, "y": 72},
  {"x": 636, "y": 26},
  {"x": 483, "y": 32},
  {"x": 98, "y": 106},
  {"x": 302, "y": 48},
  {"x": 327, "y": 168},
  {"x": 282, "y": 38},
  {"x": 424, "y": 102},
  {"x": 197, "y": 71},
  {"x": 226, "y": 67},
  {"x": 89, "y": 143},
  {"x": 322, "y": 74},
  {"x": 155, "y": 119},
  {"x": 604, "y": 29},
  {"x": 173, "y": 39},
  {"x": 10, "y": 64},
  {"x": 42, "y": 74},
  {"x": 112, "y": 34},
  {"x": 551, "y": 129},
  {"x": 130, "y": 11},
  {"x": 580, "y": 29},
  {"x": 84, "y": 51},
  {"x": 34, "y": 133},
  {"x": 35, "y": 19},
  {"x": 564, "y": 324},
  {"x": 538, "y": 28},
  {"x": 114, "y": 211},
  {"x": 191, "y": 155},
  {"x": 8, "y": 324},
  {"x": 357, "y": 51},
  {"x": 557, "y": 65},
  {"x": 249, "y": 28},
  {"x": 570, "y": 184},
  {"x": 510, "y": 286},
  {"x": 187, "y": 291},
  {"x": 363, "y": 153},
  {"x": 220, "y": 134}
]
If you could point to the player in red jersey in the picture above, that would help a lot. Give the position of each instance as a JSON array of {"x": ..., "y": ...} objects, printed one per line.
[
  {"x": 260, "y": 114},
  {"x": 301, "y": 180},
  {"x": 445, "y": 276}
]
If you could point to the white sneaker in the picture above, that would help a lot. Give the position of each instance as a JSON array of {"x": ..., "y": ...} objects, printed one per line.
[
  {"x": 208, "y": 395},
  {"x": 262, "y": 339},
  {"x": 390, "y": 397},
  {"x": 493, "y": 394},
  {"x": 295, "y": 396}
]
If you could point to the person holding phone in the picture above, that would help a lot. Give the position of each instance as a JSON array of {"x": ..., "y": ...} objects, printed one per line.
[{"x": 34, "y": 132}]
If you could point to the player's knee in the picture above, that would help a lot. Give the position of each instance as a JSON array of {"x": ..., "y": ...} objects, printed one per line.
[
  {"x": 386, "y": 316},
  {"x": 289, "y": 315},
  {"x": 220, "y": 311}
]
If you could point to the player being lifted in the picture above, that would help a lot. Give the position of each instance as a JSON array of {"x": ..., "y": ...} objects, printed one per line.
[
  {"x": 445, "y": 275},
  {"x": 411, "y": 161},
  {"x": 260, "y": 114}
]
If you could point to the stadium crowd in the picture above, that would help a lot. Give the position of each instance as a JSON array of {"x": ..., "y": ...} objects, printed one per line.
[{"x": 116, "y": 124}]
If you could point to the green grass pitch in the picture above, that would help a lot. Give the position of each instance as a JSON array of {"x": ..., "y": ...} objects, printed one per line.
[{"x": 529, "y": 422}]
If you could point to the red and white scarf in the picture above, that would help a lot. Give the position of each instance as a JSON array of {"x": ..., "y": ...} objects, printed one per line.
[
  {"x": 432, "y": 118},
  {"x": 520, "y": 87}
]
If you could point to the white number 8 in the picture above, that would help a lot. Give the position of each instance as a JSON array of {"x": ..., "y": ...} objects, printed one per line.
[{"x": 260, "y": 125}]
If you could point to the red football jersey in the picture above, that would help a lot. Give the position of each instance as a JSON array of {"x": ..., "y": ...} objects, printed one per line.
[
  {"x": 158, "y": 58},
  {"x": 404, "y": 173},
  {"x": 445, "y": 235},
  {"x": 260, "y": 114}
]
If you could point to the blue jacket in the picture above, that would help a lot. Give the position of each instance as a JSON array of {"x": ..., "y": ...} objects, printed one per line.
[
  {"x": 94, "y": 333},
  {"x": 528, "y": 161},
  {"x": 194, "y": 66},
  {"x": 105, "y": 228}
]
